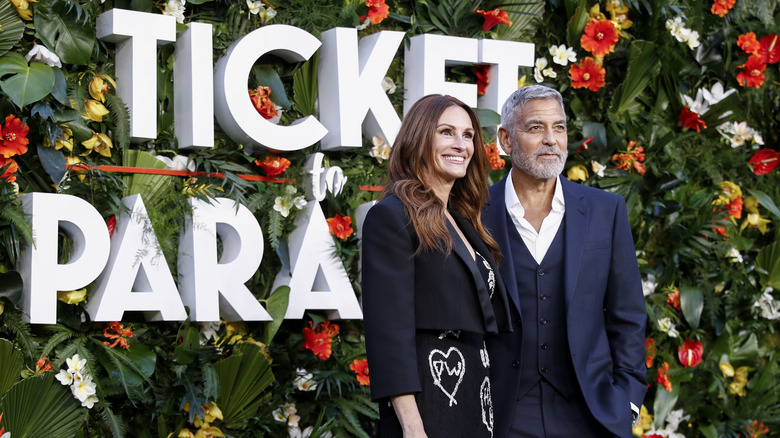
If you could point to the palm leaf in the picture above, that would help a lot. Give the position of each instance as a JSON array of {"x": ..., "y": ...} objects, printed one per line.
[
  {"x": 41, "y": 407},
  {"x": 12, "y": 25},
  {"x": 769, "y": 261},
  {"x": 305, "y": 86},
  {"x": 526, "y": 18},
  {"x": 643, "y": 66},
  {"x": 12, "y": 361},
  {"x": 151, "y": 187},
  {"x": 242, "y": 379}
]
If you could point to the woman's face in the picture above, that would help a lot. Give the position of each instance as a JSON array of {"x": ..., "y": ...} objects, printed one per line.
[{"x": 453, "y": 145}]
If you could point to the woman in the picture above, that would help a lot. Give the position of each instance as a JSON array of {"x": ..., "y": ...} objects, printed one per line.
[{"x": 431, "y": 289}]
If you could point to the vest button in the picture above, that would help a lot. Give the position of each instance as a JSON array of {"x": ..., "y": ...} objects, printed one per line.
[
  {"x": 545, "y": 346},
  {"x": 516, "y": 364},
  {"x": 545, "y": 370},
  {"x": 543, "y": 297},
  {"x": 543, "y": 321},
  {"x": 541, "y": 272}
]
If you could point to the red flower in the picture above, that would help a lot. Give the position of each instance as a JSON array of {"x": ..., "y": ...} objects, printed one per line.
[
  {"x": 770, "y": 49},
  {"x": 111, "y": 225},
  {"x": 756, "y": 430},
  {"x": 482, "y": 72},
  {"x": 340, "y": 226},
  {"x": 261, "y": 99},
  {"x": 649, "y": 352},
  {"x": 764, "y": 161},
  {"x": 662, "y": 378},
  {"x": 722, "y": 7},
  {"x": 494, "y": 157},
  {"x": 319, "y": 341},
  {"x": 13, "y": 137},
  {"x": 377, "y": 10},
  {"x": 632, "y": 158},
  {"x": 587, "y": 74},
  {"x": 749, "y": 43},
  {"x": 673, "y": 299},
  {"x": 360, "y": 367},
  {"x": 328, "y": 328},
  {"x": 753, "y": 73},
  {"x": 690, "y": 353},
  {"x": 691, "y": 120},
  {"x": 8, "y": 173},
  {"x": 273, "y": 166},
  {"x": 655, "y": 435},
  {"x": 42, "y": 365},
  {"x": 116, "y": 331},
  {"x": 599, "y": 38},
  {"x": 735, "y": 207},
  {"x": 493, "y": 18}
]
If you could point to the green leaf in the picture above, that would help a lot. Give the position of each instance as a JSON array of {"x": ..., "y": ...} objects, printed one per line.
[
  {"x": 12, "y": 26},
  {"x": 305, "y": 89},
  {"x": 692, "y": 303},
  {"x": 41, "y": 407},
  {"x": 577, "y": 22},
  {"x": 663, "y": 404},
  {"x": 11, "y": 287},
  {"x": 488, "y": 117},
  {"x": 27, "y": 83},
  {"x": 768, "y": 260},
  {"x": 746, "y": 352},
  {"x": 268, "y": 77},
  {"x": 140, "y": 356},
  {"x": 765, "y": 201},
  {"x": 13, "y": 362},
  {"x": 643, "y": 66},
  {"x": 242, "y": 379},
  {"x": 276, "y": 305},
  {"x": 53, "y": 162},
  {"x": 62, "y": 31}
]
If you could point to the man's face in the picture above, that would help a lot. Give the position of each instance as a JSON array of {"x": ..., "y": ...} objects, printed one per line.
[{"x": 538, "y": 147}]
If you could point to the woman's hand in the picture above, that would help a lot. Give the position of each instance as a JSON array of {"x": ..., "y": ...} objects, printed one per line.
[{"x": 409, "y": 416}]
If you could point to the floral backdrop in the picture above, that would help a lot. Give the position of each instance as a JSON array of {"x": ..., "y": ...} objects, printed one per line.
[{"x": 672, "y": 104}]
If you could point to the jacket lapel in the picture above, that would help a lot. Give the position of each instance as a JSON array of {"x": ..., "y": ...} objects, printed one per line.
[{"x": 576, "y": 223}]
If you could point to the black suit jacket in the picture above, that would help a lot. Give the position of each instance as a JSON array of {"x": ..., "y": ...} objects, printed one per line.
[{"x": 403, "y": 293}]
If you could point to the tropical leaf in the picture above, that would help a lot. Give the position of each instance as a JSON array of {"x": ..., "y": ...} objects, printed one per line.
[
  {"x": 12, "y": 26},
  {"x": 765, "y": 201},
  {"x": 113, "y": 422},
  {"x": 11, "y": 287},
  {"x": 276, "y": 305},
  {"x": 643, "y": 66},
  {"x": 268, "y": 77},
  {"x": 151, "y": 187},
  {"x": 26, "y": 83},
  {"x": 242, "y": 379},
  {"x": 768, "y": 260},
  {"x": 13, "y": 362},
  {"x": 692, "y": 303},
  {"x": 305, "y": 89},
  {"x": 62, "y": 30},
  {"x": 120, "y": 116},
  {"x": 526, "y": 18},
  {"x": 39, "y": 406},
  {"x": 53, "y": 162}
]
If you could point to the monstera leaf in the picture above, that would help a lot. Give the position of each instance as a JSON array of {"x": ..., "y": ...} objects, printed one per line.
[
  {"x": 12, "y": 26},
  {"x": 23, "y": 83},
  {"x": 40, "y": 406},
  {"x": 68, "y": 32}
]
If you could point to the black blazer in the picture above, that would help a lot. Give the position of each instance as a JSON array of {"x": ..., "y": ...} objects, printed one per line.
[{"x": 403, "y": 293}]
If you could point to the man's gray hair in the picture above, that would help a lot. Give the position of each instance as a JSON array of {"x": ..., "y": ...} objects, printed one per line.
[{"x": 512, "y": 109}]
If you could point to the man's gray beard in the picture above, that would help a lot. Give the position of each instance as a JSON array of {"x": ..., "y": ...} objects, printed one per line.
[{"x": 529, "y": 163}]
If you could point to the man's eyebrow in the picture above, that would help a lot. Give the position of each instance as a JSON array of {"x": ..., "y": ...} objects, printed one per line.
[{"x": 541, "y": 122}]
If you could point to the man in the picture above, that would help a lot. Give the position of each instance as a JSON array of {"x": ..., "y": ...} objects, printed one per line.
[{"x": 575, "y": 364}]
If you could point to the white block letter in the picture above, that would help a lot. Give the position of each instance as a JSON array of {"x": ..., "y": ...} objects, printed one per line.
[
  {"x": 193, "y": 88},
  {"x": 350, "y": 87},
  {"x": 234, "y": 109},
  {"x": 505, "y": 57},
  {"x": 209, "y": 286},
  {"x": 41, "y": 274},
  {"x": 137, "y": 35}
]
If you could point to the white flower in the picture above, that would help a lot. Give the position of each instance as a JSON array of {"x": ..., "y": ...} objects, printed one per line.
[
  {"x": 300, "y": 202},
  {"x": 770, "y": 308},
  {"x": 304, "y": 380},
  {"x": 75, "y": 364},
  {"x": 290, "y": 189},
  {"x": 208, "y": 331},
  {"x": 541, "y": 64},
  {"x": 89, "y": 401},
  {"x": 757, "y": 139},
  {"x": 286, "y": 413},
  {"x": 40, "y": 53},
  {"x": 675, "y": 27},
  {"x": 698, "y": 105},
  {"x": 64, "y": 377},
  {"x": 597, "y": 167},
  {"x": 254, "y": 7},
  {"x": 734, "y": 256},
  {"x": 667, "y": 326},
  {"x": 736, "y": 132},
  {"x": 563, "y": 55},
  {"x": 381, "y": 150},
  {"x": 282, "y": 205},
  {"x": 175, "y": 8},
  {"x": 178, "y": 162},
  {"x": 388, "y": 85},
  {"x": 674, "y": 419},
  {"x": 716, "y": 93},
  {"x": 296, "y": 432},
  {"x": 691, "y": 38},
  {"x": 649, "y": 285},
  {"x": 83, "y": 388}
]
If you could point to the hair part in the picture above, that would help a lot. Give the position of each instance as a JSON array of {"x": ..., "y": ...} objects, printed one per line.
[
  {"x": 412, "y": 168},
  {"x": 512, "y": 110}
]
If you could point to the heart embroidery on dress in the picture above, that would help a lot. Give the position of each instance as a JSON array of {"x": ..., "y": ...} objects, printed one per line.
[
  {"x": 486, "y": 401},
  {"x": 447, "y": 371}
]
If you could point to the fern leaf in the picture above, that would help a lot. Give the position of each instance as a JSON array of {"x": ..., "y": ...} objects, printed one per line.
[
  {"x": 121, "y": 118},
  {"x": 58, "y": 338},
  {"x": 20, "y": 330},
  {"x": 113, "y": 422}
]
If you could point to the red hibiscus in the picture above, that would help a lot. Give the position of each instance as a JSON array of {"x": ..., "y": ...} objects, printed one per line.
[
  {"x": 377, "y": 10},
  {"x": 753, "y": 73},
  {"x": 587, "y": 74},
  {"x": 273, "y": 166},
  {"x": 319, "y": 341},
  {"x": 662, "y": 378},
  {"x": 599, "y": 38},
  {"x": 649, "y": 352},
  {"x": 261, "y": 99},
  {"x": 749, "y": 43},
  {"x": 482, "y": 72},
  {"x": 770, "y": 48},
  {"x": 8, "y": 173},
  {"x": 360, "y": 367},
  {"x": 13, "y": 137},
  {"x": 673, "y": 299},
  {"x": 340, "y": 226},
  {"x": 691, "y": 120},
  {"x": 493, "y": 18},
  {"x": 764, "y": 161},
  {"x": 722, "y": 7},
  {"x": 690, "y": 353}
]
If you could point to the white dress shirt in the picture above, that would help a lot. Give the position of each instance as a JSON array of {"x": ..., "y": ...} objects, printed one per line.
[{"x": 537, "y": 243}]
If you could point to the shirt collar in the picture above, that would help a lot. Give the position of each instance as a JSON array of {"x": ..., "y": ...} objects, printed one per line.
[{"x": 512, "y": 201}]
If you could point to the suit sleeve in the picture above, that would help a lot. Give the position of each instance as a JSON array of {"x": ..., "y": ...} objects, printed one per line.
[
  {"x": 625, "y": 311},
  {"x": 388, "y": 302}
]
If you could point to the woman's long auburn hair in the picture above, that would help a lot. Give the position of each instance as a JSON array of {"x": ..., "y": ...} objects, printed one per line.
[{"x": 412, "y": 168}]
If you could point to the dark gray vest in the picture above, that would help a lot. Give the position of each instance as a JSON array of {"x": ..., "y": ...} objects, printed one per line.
[{"x": 545, "y": 353}]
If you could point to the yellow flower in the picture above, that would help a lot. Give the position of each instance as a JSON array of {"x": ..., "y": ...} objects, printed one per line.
[
  {"x": 726, "y": 369},
  {"x": 738, "y": 388},
  {"x": 728, "y": 192},
  {"x": 522, "y": 82},
  {"x": 577, "y": 173},
  {"x": 98, "y": 87},
  {"x": 23, "y": 8},
  {"x": 619, "y": 16},
  {"x": 99, "y": 143},
  {"x": 95, "y": 110},
  {"x": 234, "y": 331},
  {"x": 80, "y": 173},
  {"x": 185, "y": 433},
  {"x": 72, "y": 296},
  {"x": 755, "y": 220},
  {"x": 209, "y": 432},
  {"x": 596, "y": 14},
  {"x": 2, "y": 307},
  {"x": 644, "y": 423},
  {"x": 66, "y": 141}
]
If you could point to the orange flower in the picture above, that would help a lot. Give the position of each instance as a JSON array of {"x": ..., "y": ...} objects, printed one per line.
[
  {"x": 673, "y": 299},
  {"x": 722, "y": 7},
  {"x": 482, "y": 72},
  {"x": 770, "y": 49},
  {"x": 599, "y": 38},
  {"x": 749, "y": 43},
  {"x": 340, "y": 226},
  {"x": 377, "y": 10},
  {"x": 261, "y": 99},
  {"x": 649, "y": 352},
  {"x": 119, "y": 335},
  {"x": 318, "y": 342},
  {"x": 691, "y": 120},
  {"x": 494, "y": 157},
  {"x": 360, "y": 367},
  {"x": 8, "y": 173},
  {"x": 753, "y": 73},
  {"x": 764, "y": 161},
  {"x": 42, "y": 365},
  {"x": 662, "y": 378},
  {"x": 690, "y": 353},
  {"x": 493, "y": 18},
  {"x": 587, "y": 74},
  {"x": 273, "y": 166},
  {"x": 757, "y": 430},
  {"x": 632, "y": 158},
  {"x": 735, "y": 208},
  {"x": 329, "y": 328},
  {"x": 13, "y": 137}
]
